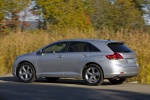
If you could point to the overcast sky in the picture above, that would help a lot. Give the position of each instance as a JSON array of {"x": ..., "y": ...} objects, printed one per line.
[
  {"x": 147, "y": 16},
  {"x": 27, "y": 15}
]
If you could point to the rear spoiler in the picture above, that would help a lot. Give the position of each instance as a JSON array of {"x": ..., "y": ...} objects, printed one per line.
[{"x": 115, "y": 43}]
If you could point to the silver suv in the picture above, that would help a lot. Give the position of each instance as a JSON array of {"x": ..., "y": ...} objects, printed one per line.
[{"x": 91, "y": 60}]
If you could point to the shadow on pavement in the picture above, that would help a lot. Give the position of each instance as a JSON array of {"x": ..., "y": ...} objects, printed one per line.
[
  {"x": 10, "y": 91},
  {"x": 43, "y": 80},
  {"x": 9, "y": 79}
]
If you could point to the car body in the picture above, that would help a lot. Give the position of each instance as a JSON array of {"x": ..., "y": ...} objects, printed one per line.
[{"x": 89, "y": 59}]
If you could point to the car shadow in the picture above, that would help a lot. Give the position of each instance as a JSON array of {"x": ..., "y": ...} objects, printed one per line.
[
  {"x": 43, "y": 80},
  {"x": 10, "y": 91},
  {"x": 9, "y": 79}
]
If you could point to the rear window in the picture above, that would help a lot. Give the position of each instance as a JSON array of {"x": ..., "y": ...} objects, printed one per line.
[{"x": 119, "y": 47}]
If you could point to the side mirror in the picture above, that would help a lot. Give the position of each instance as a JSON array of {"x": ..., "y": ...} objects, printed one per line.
[{"x": 40, "y": 52}]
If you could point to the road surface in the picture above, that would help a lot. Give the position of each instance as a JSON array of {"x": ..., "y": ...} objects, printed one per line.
[{"x": 68, "y": 89}]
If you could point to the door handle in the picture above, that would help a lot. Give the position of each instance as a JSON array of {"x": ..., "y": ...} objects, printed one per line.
[
  {"x": 84, "y": 55},
  {"x": 59, "y": 56}
]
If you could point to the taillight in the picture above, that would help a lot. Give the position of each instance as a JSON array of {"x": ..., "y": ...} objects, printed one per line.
[{"x": 114, "y": 56}]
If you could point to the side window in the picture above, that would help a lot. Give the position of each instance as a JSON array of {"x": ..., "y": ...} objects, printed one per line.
[
  {"x": 92, "y": 48},
  {"x": 78, "y": 47},
  {"x": 56, "y": 48}
]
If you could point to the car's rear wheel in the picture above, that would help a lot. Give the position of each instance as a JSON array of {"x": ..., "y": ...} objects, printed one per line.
[
  {"x": 93, "y": 75},
  {"x": 51, "y": 79},
  {"x": 26, "y": 72},
  {"x": 117, "y": 81}
]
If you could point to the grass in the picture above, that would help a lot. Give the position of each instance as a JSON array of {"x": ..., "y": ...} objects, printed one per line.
[{"x": 18, "y": 43}]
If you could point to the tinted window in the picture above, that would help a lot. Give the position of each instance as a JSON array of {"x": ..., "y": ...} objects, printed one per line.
[
  {"x": 78, "y": 47},
  {"x": 118, "y": 47},
  {"x": 56, "y": 48},
  {"x": 92, "y": 48}
]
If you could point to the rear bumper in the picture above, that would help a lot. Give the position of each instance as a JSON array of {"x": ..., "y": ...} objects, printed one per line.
[{"x": 122, "y": 72}]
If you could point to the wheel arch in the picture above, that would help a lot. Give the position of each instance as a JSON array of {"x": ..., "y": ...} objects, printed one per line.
[
  {"x": 89, "y": 63},
  {"x": 22, "y": 63}
]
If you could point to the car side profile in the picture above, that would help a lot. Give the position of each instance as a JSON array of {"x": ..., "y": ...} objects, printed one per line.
[{"x": 89, "y": 59}]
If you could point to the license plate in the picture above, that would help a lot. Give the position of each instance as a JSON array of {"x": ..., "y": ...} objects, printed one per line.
[{"x": 130, "y": 61}]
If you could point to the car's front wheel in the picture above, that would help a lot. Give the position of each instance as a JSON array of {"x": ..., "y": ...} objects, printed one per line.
[
  {"x": 26, "y": 72},
  {"x": 117, "y": 81},
  {"x": 93, "y": 75}
]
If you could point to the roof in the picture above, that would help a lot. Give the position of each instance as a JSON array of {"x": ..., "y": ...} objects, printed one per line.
[{"x": 89, "y": 40}]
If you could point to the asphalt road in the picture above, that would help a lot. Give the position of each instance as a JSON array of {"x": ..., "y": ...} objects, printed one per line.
[{"x": 68, "y": 89}]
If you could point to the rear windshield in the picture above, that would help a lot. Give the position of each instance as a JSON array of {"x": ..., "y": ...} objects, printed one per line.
[{"x": 118, "y": 47}]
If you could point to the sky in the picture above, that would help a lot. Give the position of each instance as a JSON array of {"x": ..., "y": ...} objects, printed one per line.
[
  {"x": 26, "y": 15},
  {"x": 147, "y": 16}
]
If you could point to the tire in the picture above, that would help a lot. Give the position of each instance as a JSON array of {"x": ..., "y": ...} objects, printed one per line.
[
  {"x": 117, "y": 81},
  {"x": 26, "y": 72},
  {"x": 93, "y": 75},
  {"x": 51, "y": 79}
]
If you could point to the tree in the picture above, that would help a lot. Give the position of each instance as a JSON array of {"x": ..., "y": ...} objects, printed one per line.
[
  {"x": 1, "y": 10},
  {"x": 145, "y": 6},
  {"x": 65, "y": 13},
  {"x": 116, "y": 14},
  {"x": 1, "y": 16},
  {"x": 102, "y": 13},
  {"x": 128, "y": 16},
  {"x": 9, "y": 10},
  {"x": 12, "y": 8}
]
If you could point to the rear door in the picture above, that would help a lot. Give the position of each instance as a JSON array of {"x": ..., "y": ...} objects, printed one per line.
[
  {"x": 75, "y": 59},
  {"x": 129, "y": 57}
]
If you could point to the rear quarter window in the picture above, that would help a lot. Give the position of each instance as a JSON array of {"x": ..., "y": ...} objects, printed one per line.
[
  {"x": 119, "y": 47},
  {"x": 92, "y": 48}
]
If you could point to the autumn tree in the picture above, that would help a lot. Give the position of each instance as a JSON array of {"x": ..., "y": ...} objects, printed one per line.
[
  {"x": 128, "y": 15},
  {"x": 12, "y": 8},
  {"x": 145, "y": 4},
  {"x": 102, "y": 13},
  {"x": 65, "y": 13},
  {"x": 116, "y": 14},
  {"x": 1, "y": 11},
  {"x": 9, "y": 10}
]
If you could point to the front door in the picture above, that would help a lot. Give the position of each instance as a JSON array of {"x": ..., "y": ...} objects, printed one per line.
[{"x": 50, "y": 62}]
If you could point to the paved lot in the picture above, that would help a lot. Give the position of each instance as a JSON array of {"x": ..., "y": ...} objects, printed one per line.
[{"x": 68, "y": 89}]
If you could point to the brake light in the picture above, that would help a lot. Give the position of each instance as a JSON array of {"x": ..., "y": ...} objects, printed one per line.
[{"x": 114, "y": 56}]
